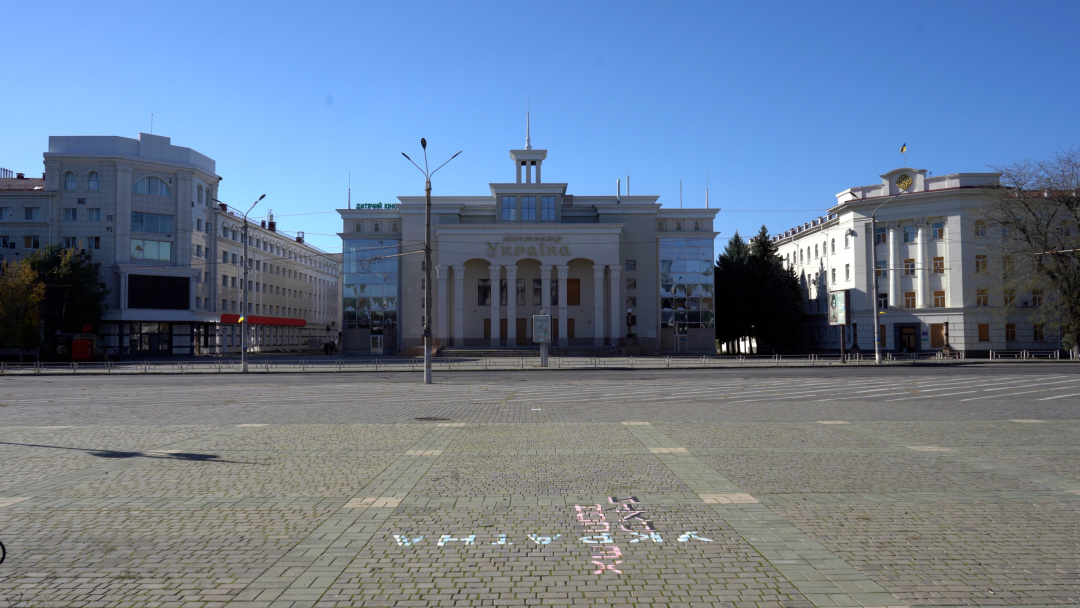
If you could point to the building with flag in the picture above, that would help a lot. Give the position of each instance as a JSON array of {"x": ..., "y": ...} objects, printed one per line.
[{"x": 940, "y": 270}]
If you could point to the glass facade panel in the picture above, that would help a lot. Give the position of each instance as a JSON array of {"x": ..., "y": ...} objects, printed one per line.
[
  {"x": 686, "y": 283},
  {"x": 370, "y": 292}
]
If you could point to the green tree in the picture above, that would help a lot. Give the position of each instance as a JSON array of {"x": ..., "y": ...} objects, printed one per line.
[
  {"x": 1036, "y": 212},
  {"x": 730, "y": 282},
  {"x": 74, "y": 293},
  {"x": 756, "y": 296},
  {"x": 21, "y": 294}
]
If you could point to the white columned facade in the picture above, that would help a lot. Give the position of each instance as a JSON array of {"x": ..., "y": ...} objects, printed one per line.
[
  {"x": 894, "y": 266},
  {"x": 511, "y": 306},
  {"x": 495, "y": 273},
  {"x": 442, "y": 319},
  {"x": 563, "y": 321},
  {"x": 598, "y": 304},
  {"x": 922, "y": 273},
  {"x": 545, "y": 289},
  {"x": 615, "y": 274},
  {"x": 459, "y": 305}
]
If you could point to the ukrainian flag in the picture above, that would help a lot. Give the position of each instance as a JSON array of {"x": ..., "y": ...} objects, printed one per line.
[
  {"x": 903, "y": 148},
  {"x": 241, "y": 319}
]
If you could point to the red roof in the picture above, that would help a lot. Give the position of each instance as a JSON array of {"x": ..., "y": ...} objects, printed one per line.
[{"x": 9, "y": 184}]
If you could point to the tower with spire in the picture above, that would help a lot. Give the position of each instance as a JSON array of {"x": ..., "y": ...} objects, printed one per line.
[{"x": 528, "y": 160}]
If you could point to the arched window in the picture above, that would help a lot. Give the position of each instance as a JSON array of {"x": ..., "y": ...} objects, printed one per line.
[
  {"x": 678, "y": 224},
  {"x": 833, "y": 249},
  {"x": 93, "y": 181},
  {"x": 375, "y": 226},
  {"x": 200, "y": 199},
  {"x": 697, "y": 225},
  {"x": 815, "y": 252},
  {"x": 151, "y": 185},
  {"x": 69, "y": 181}
]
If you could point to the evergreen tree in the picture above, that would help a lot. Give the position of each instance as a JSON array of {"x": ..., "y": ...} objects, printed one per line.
[{"x": 730, "y": 287}]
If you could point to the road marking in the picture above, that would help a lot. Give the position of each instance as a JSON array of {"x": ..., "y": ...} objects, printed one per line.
[
  {"x": 1059, "y": 396},
  {"x": 669, "y": 450},
  {"x": 1025, "y": 420},
  {"x": 1040, "y": 390},
  {"x": 932, "y": 396},
  {"x": 423, "y": 452},
  {"x": 928, "y": 448},
  {"x": 832, "y": 422}
]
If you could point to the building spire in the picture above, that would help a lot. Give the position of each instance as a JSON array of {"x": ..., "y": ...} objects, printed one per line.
[{"x": 528, "y": 141}]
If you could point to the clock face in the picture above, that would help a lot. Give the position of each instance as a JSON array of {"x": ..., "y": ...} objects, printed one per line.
[{"x": 904, "y": 181}]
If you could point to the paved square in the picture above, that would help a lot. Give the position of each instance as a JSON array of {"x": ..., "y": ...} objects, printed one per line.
[{"x": 764, "y": 488}]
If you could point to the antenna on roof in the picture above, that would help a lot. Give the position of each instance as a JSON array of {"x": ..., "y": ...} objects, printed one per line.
[
  {"x": 627, "y": 184},
  {"x": 680, "y": 194},
  {"x": 706, "y": 189},
  {"x": 151, "y": 123},
  {"x": 349, "y": 206}
]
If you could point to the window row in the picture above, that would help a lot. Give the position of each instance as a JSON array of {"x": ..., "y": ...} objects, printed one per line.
[
  {"x": 510, "y": 211},
  {"x": 483, "y": 292},
  {"x": 676, "y": 225},
  {"x": 910, "y": 233},
  {"x": 375, "y": 227},
  {"x": 93, "y": 181}
]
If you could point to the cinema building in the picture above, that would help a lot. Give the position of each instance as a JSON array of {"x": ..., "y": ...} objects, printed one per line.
[{"x": 614, "y": 272}]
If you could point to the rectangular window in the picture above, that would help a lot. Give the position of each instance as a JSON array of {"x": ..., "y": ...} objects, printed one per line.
[
  {"x": 234, "y": 259},
  {"x": 3, "y": 213},
  {"x": 547, "y": 208},
  {"x": 509, "y": 208},
  {"x": 224, "y": 257},
  {"x": 71, "y": 214},
  {"x": 233, "y": 302},
  {"x": 909, "y": 234},
  {"x": 224, "y": 280},
  {"x": 980, "y": 263},
  {"x": 1010, "y": 298},
  {"x": 483, "y": 292},
  {"x": 224, "y": 305},
  {"x": 1036, "y": 297},
  {"x": 31, "y": 242},
  {"x": 881, "y": 235},
  {"x": 145, "y": 249},
  {"x": 528, "y": 208},
  {"x": 984, "y": 332},
  {"x": 882, "y": 301},
  {"x": 939, "y": 265},
  {"x": 847, "y": 272},
  {"x": 631, "y": 302},
  {"x": 5, "y": 241},
  {"x": 880, "y": 269},
  {"x": 198, "y": 302},
  {"x": 31, "y": 213},
  {"x": 519, "y": 288},
  {"x": 95, "y": 242},
  {"x": 573, "y": 292},
  {"x": 909, "y": 267},
  {"x": 939, "y": 299},
  {"x": 537, "y": 292},
  {"x": 834, "y": 276},
  {"x": 631, "y": 265},
  {"x": 982, "y": 300},
  {"x": 1010, "y": 331},
  {"x": 198, "y": 251},
  {"x": 1039, "y": 334},
  {"x": 937, "y": 230},
  {"x": 69, "y": 242},
  {"x": 94, "y": 215},
  {"x": 909, "y": 299},
  {"x": 198, "y": 225},
  {"x": 631, "y": 283},
  {"x": 151, "y": 222}
]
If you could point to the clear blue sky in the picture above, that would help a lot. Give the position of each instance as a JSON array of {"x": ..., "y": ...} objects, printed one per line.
[{"x": 784, "y": 104}]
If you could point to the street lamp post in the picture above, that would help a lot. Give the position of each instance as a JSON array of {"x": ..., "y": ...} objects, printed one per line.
[
  {"x": 427, "y": 254},
  {"x": 904, "y": 182},
  {"x": 244, "y": 292}
]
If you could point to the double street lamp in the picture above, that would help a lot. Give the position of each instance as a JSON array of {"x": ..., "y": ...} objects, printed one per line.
[
  {"x": 427, "y": 253},
  {"x": 244, "y": 291}
]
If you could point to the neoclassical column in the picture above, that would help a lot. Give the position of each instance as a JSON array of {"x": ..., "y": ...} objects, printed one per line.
[
  {"x": 895, "y": 263},
  {"x": 922, "y": 273},
  {"x": 511, "y": 305},
  {"x": 598, "y": 304},
  {"x": 459, "y": 305},
  {"x": 442, "y": 318},
  {"x": 545, "y": 289},
  {"x": 614, "y": 276},
  {"x": 495, "y": 273},
  {"x": 564, "y": 321}
]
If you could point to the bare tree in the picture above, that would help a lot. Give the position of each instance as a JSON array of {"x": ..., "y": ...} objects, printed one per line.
[{"x": 1037, "y": 211}]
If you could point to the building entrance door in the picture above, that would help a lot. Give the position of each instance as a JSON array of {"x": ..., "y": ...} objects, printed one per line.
[
  {"x": 522, "y": 328},
  {"x": 937, "y": 335},
  {"x": 907, "y": 338}
]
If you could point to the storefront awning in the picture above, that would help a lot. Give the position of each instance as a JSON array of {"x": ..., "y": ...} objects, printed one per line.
[{"x": 262, "y": 320}]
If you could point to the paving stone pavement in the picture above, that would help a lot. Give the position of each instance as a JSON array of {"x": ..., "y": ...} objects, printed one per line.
[{"x": 517, "y": 490}]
